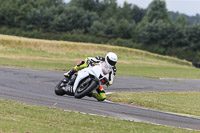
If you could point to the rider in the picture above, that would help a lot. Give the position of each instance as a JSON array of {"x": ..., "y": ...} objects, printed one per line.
[{"x": 110, "y": 59}]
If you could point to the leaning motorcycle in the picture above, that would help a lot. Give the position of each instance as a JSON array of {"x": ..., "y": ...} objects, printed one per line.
[{"x": 85, "y": 81}]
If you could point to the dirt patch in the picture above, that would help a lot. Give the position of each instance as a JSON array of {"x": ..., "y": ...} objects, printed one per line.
[
  {"x": 47, "y": 58},
  {"x": 37, "y": 57}
]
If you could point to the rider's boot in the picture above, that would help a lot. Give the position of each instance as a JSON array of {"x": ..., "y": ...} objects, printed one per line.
[{"x": 69, "y": 73}]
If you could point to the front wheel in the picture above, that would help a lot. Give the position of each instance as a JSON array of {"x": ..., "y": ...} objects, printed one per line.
[{"x": 84, "y": 90}]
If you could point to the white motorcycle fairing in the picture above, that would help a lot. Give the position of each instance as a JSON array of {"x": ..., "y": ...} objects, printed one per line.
[{"x": 100, "y": 71}]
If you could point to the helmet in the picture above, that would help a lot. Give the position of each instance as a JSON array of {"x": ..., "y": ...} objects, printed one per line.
[{"x": 111, "y": 58}]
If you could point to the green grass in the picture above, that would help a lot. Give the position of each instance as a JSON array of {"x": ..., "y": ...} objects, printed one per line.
[
  {"x": 59, "y": 55},
  {"x": 37, "y": 63},
  {"x": 178, "y": 102},
  {"x": 62, "y": 55},
  {"x": 159, "y": 71},
  {"x": 19, "y": 117}
]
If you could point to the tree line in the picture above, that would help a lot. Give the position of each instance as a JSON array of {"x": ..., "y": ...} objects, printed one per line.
[{"x": 103, "y": 21}]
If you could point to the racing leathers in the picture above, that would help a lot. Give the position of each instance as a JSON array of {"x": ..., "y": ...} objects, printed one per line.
[{"x": 100, "y": 95}]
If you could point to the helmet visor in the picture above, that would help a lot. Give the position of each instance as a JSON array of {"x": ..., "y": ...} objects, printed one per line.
[{"x": 112, "y": 63}]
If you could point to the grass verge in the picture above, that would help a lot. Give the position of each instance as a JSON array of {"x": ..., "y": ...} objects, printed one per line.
[
  {"x": 178, "y": 102},
  {"x": 59, "y": 55},
  {"x": 19, "y": 117},
  {"x": 62, "y": 55}
]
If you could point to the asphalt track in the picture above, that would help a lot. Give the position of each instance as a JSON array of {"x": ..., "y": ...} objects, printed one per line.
[{"x": 37, "y": 87}]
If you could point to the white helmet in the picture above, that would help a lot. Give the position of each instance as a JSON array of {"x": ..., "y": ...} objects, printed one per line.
[{"x": 111, "y": 58}]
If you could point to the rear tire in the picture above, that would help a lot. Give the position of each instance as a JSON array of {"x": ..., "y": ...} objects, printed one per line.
[
  {"x": 79, "y": 94},
  {"x": 58, "y": 89}
]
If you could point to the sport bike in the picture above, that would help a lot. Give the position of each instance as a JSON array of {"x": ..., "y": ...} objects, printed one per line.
[{"x": 85, "y": 81}]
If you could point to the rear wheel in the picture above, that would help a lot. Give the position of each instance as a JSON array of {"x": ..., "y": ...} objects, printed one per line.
[{"x": 58, "y": 89}]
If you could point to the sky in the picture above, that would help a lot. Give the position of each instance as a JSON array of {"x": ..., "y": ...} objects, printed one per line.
[{"x": 189, "y": 7}]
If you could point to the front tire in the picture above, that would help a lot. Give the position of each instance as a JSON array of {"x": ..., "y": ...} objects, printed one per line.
[{"x": 81, "y": 92}]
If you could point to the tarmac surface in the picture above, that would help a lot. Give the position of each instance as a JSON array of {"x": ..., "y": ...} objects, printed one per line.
[{"x": 37, "y": 87}]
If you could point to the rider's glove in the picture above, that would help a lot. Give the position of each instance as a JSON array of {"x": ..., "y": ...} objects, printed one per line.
[
  {"x": 100, "y": 58},
  {"x": 92, "y": 61},
  {"x": 89, "y": 62}
]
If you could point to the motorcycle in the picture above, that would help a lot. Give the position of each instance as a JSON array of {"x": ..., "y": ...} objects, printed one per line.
[{"x": 85, "y": 81}]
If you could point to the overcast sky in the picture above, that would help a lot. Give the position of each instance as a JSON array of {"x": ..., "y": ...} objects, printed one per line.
[{"x": 189, "y": 7}]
